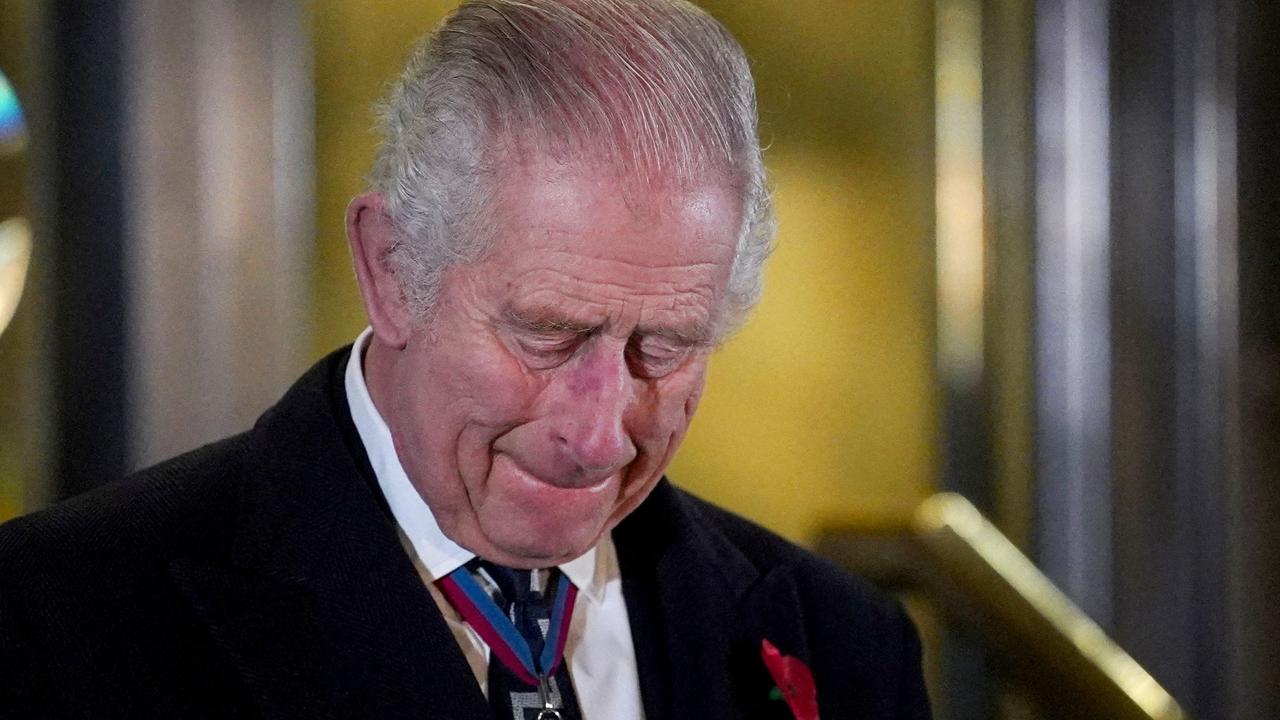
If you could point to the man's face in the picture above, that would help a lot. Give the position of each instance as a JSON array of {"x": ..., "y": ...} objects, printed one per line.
[{"x": 557, "y": 376}]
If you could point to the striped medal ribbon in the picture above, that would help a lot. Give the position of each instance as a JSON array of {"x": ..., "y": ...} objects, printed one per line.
[{"x": 505, "y": 640}]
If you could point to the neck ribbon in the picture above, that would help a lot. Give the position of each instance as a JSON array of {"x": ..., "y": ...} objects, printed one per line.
[{"x": 504, "y": 639}]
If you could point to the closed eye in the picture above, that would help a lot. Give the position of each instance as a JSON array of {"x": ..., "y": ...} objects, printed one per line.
[
  {"x": 548, "y": 349},
  {"x": 655, "y": 357}
]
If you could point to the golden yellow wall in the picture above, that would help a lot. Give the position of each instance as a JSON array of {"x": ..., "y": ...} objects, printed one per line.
[{"x": 824, "y": 406}]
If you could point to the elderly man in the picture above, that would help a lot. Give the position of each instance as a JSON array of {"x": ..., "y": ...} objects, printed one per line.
[{"x": 464, "y": 514}]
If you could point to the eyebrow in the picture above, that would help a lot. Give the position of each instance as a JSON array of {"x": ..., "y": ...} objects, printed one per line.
[
  {"x": 543, "y": 321},
  {"x": 697, "y": 337}
]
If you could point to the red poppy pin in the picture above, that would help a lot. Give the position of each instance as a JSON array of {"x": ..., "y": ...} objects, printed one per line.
[{"x": 795, "y": 681}]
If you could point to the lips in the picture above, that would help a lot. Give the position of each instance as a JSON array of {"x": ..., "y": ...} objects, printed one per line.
[{"x": 558, "y": 480}]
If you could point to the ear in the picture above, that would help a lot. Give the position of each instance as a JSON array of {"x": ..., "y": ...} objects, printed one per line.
[{"x": 370, "y": 234}]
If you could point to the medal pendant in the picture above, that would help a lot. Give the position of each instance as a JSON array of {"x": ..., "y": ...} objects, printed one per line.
[{"x": 549, "y": 710}]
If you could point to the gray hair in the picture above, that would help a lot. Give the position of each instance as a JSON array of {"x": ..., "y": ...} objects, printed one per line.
[{"x": 657, "y": 86}]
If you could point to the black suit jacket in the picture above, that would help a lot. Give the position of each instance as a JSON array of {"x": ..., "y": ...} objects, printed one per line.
[{"x": 261, "y": 576}]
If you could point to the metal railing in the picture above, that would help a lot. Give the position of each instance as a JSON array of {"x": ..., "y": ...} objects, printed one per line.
[{"x": 974, "y": 576}]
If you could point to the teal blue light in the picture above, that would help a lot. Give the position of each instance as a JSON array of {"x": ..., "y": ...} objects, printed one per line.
[{"x": 11, "y": 124}]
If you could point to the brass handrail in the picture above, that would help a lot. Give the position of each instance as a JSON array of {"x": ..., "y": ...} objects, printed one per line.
[{"x": 976, "y": 577}]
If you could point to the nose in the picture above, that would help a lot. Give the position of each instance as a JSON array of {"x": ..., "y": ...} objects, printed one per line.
[{"x": 592, "y": 428}]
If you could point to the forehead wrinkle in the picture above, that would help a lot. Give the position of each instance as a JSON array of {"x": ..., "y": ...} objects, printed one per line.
[
  {"x": 570, "y": 258},
  {"x": 683, "y": 319},
  {"x": 605, "y": 295},
  {"x": 642, "y": 281}
]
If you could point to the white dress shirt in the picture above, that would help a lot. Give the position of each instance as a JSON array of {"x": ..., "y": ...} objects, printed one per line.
[{"x": 599, "y": 651}]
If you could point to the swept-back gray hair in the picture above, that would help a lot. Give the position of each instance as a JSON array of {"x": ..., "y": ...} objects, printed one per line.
[{"x": 657, "y": 87}]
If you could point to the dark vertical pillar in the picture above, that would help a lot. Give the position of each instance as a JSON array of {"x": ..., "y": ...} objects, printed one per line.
[
  {"x": 1172, "y": 373},
  {"x": 1257, "y": 546},
  {"x": 1174, "y": 369},
  {"x": 1151, "y": 593},
  {"x": 84, "y": 223}
]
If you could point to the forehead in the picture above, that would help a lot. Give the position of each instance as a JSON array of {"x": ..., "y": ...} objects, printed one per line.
[
  {"x": 577, "y": 238},
  {"x": 578, "y": 195}
]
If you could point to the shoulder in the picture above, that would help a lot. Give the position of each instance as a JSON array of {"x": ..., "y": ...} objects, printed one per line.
[
  {"x": 88, "y": 580},
  {"x": 768, "y": 552},
  {"x": 711, "y": 534},
  {"x": 858, "y": 637},
  {"x": 158, "y": 512},
  {"x": 183, "y": 506}
]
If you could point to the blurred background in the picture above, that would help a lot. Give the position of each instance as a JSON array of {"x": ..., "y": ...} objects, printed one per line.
[{"x": 1029, "y": 254}]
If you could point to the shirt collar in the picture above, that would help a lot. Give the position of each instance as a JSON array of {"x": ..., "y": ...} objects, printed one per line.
[{"x": 438, "y": 554}]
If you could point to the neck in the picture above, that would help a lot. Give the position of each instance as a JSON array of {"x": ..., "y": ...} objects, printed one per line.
[{"x": 378, "y": 365}]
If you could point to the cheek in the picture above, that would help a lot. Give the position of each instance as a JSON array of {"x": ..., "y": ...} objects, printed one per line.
[
  {"x": 497, "y": 389},
  {"x": 474, "y": 377},
  {"x": 472, "y": 393},
  {"x": 672, "y": 403}
]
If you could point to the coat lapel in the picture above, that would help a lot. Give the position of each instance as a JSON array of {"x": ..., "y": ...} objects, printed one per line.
[
  {"x": 699, "y": 610},
  {"x": 769, "y": 610},
  {"x": 320, "y": 611}
]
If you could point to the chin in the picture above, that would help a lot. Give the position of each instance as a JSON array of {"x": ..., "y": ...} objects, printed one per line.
[
  {"x": 526, "y": 545},
  {"x": 524, "y": 521}
]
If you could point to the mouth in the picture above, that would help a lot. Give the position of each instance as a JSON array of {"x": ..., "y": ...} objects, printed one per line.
[{"x": 576, "y": 482}]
